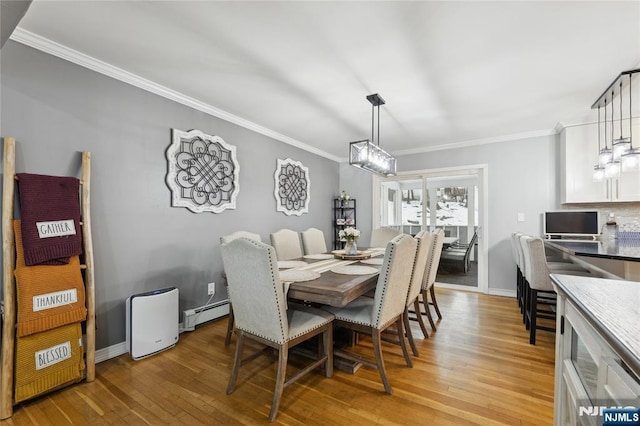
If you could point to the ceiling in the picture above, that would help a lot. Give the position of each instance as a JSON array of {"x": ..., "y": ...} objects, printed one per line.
[{"x": 452, "y": 73}]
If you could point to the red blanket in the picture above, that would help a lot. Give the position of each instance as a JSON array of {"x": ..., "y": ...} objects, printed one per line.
[{"x": 50, "y": 213}]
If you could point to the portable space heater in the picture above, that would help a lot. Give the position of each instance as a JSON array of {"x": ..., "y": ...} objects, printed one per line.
[{"x": 152, "y": 322}]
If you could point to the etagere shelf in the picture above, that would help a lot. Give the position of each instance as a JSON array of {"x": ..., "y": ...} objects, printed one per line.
[{"x": 344, "y": 215}]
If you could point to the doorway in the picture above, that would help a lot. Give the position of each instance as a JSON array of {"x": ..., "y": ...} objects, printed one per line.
[{"x": 452, "y": 199}]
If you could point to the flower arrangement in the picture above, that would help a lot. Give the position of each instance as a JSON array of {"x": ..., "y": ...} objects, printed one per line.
[
  {"x": 344, "y": 196},
  {"x": 349, "y": 234}
]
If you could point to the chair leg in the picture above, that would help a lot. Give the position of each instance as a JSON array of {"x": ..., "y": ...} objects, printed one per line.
[
  {"x": 518, "y": 288},
  {"x": 423, "y": 327},
  {"x": 432, "y": 290},
  {"x": 230, "y": 324},
  {"x": 525, "y": 302},
  {"x": 237, "y": 360},
  {"x": 327, "y": 350},
  {"x": 427, "y": 309},
  {"x": 377, "y": 350},
  {"x": 407, "y": 328},
  {"x": 533, "y": 308},
  {"x": 283, "y": 355},
  {"x": 403, "y": 342}
]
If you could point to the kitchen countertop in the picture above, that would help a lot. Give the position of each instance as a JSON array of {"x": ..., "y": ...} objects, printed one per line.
[
  {"x": 606, "y": 249},
  {"x": 612, "y": 307}
]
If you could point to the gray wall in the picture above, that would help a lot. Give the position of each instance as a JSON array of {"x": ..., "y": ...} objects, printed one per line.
[
  {"x": 56, "y": 109},
  {"x": 522, "y": 179}
]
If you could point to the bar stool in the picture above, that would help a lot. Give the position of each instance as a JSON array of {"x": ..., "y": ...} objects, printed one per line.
[{"x": 539, "y": 290}]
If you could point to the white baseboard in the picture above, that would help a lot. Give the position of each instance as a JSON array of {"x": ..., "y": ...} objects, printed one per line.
[
  {"x": 213, "y": 311},
  {"x": 502, "y": 292},
  {"x": 111, "y": 352}
]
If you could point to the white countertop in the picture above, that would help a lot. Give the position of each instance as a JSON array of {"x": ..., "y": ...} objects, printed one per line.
[{"x": 613, "y": 309}]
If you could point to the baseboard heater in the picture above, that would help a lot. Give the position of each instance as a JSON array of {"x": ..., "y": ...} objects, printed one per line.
[
  {"x": 194, "y": 317},
  {"x": 152, "y": 322}
]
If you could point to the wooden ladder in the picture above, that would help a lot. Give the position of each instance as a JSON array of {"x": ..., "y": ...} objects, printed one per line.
[{"x": 8, "y": 284}]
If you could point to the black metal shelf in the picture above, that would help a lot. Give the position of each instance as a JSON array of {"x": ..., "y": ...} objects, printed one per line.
[{"x": 344, "y": 215}]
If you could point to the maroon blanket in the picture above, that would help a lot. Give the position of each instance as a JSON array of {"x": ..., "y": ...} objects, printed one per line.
[{"x": 50, "y": 213}]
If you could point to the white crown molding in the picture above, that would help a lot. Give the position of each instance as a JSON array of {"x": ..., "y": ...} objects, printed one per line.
[
  {"x": 474, "y": 142},
  {"x": 43, "y": 44}
]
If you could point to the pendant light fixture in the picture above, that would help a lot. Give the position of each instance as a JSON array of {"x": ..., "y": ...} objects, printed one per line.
[
  {"x": 630, "y": 160},
  {"x": 622, "y": 154},
  {"x": 606, "y": 154},
  {"x": 612, "y": 168},
  {"x": 598, "y": 169},
  {"x": 368, "y": 156},
  {"x": 622, "y": 144}
]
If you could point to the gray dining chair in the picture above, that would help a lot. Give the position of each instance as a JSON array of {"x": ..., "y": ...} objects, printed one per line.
[
  {"x": 287, "y": 244},
  {"x": 262, "y": 314},
  {"x": 460, "y": 256},
  {"x": 381, "y": 236},
  {"x": 371, "y": 316},
  {"x": 223, "y": 240},
  {"x": 313, "y": 241}
]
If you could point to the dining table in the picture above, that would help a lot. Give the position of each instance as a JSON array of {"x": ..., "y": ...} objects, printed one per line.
[
  {"x": 332, "y": 279},
  {"x": 339, "y": 279}
]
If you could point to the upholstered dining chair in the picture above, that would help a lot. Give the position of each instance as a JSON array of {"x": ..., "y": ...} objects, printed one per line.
[
  {"x": 381, "y": 236},
  {"x": 428, "y": 282},
  {"x": 262, "y": 314},
  {"x": 223, "y": 240},
  {"x": 371, "y": 316},
  {"x": 313, "y": 241},
  {"x": 424, "y": 247},
  {"x": 287, "y": 244}
]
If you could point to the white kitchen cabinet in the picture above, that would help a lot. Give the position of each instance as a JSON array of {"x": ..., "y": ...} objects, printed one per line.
[
  {"x": 578, "y": 154},
  {"x": 590, "y": 375}
]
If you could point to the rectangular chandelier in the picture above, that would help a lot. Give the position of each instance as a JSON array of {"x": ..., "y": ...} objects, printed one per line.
[{"x": 367, "y": 156}]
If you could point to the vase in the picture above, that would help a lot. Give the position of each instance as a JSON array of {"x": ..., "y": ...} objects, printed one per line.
[{"x": 351, "y": 248}]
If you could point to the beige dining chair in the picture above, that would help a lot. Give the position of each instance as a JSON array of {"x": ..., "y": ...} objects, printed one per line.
[
  {"x": 429, "y": 279},
  {"x": 371, "y": 316},
  {"x": 424, "y": 242},
  {"x": 313, "y": 241},
  {"x": 287, "y": 244},
  {"x": 223, "y": 240},
  {"x": 381, "y": 236},
  {"x": 262, "y": 315}
]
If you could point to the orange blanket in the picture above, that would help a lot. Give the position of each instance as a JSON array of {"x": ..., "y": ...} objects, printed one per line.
[
  {"x": 47, "y": 360},
  {"x": 48, "y": 296}
]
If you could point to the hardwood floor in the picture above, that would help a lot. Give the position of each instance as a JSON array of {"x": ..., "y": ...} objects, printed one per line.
[{"x": 478, "y": 368}]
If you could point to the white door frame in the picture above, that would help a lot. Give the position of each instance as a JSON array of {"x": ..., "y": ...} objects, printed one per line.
[{"x": 481, "y": 170}]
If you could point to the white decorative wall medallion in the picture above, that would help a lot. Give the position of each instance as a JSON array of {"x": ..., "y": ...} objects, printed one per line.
[
  {"x": 203, "y": 172},
  {"x": 292, "y": 187}
]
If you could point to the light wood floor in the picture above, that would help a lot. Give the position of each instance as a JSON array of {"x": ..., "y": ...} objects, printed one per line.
[{"x": 478, "y": 368}]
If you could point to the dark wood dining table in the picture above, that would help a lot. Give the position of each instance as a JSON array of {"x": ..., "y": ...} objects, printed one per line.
[
  {"x": 338, "y": 290},
  {"x": 333, "y": 288}
]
